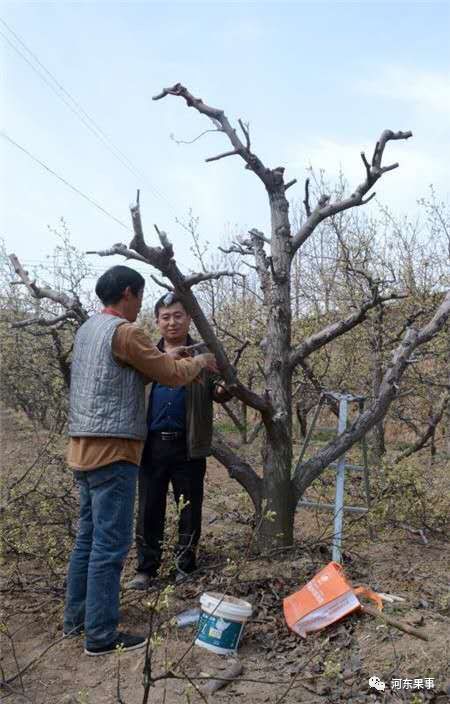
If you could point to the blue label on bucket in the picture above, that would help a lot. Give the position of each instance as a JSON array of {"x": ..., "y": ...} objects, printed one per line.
[{"x": 217, "y": 631}]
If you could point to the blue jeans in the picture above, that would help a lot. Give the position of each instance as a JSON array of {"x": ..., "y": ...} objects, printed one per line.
[{"x": 104, "y": 537}]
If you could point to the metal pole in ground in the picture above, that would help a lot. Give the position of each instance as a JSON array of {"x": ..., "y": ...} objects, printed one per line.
[{"x": 340, "y": 479}]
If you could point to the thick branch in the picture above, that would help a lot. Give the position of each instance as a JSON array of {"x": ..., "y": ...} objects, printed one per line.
[
  {"x": 62, "y": 356},
  {"x": 231, "y": 414},
  {"x": 236, "y": 249},
  {"x": 194, "y": 279},
  {"x": 221, "y": 121},
  {"x": 159, "y": 257},
  {"x": 44, "y": 322},
  {"x": 306, "y": 472},
  {"x": 256, "y": 245},
  {"x": 118, "y": 248},
  {"x": 325, "y": 209},
  {"x": 238, "y": 469},
  {"x": 71, "y": 304},
  {"x": 335, "y": 330},
  {"x": 240, "y": 352},
  {"x": 306, "y": 199},
  {"x": 161, "y": 283},
  {"x": 162, "y": 259}
]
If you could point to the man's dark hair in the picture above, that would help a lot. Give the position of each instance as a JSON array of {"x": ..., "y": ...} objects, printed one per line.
[
  {"x": 111, "y": 285},
  {"x": 167, "y": 300}
]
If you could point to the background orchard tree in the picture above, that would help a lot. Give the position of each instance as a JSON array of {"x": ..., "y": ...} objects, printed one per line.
[{"x": 288, "y": 344}]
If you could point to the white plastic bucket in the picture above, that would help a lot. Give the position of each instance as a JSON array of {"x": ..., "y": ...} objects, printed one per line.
[{"x": 221, "y": 622}]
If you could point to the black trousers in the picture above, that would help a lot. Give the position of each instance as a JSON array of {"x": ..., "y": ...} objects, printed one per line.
[{"x": 164, "y": 462}]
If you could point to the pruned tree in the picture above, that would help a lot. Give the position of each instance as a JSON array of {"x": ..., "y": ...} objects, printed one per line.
[
  {"x": 276, "y": 490},
  {"x": 37, "y": 324}
]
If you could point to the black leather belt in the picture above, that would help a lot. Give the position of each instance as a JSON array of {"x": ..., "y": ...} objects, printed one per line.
[{"x": 168, "y": 435}]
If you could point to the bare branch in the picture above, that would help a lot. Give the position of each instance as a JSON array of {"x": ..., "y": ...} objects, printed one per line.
[
  {"x": 245, "y": 129},
  {"x": 238, "y": 469},
  {"x": 318, "y": 386},
  {"x": 235, "y": 249},
  {"x": 161, "y": 283},
  {"x": 194, "y": 279},
  {"x": 162, "y": 259},
  {"x": 335, "y": 330},
  {"x": 164, "y": 239},
  {"x": 233, "y": 417},
  {"x": 219, "y": 117},
  {"x": 306, "y": 199},
  {"x": 138, "y": 249},
  {"x": 259, "y": 235},
  {"x": 434, "y": 420},
  {"x": 290, "y": 183},
  {"x": 324, "y": 209},
  {"x": 366, "y": 164},
  {"x": 233, "y": 152},
  {"x": 240, "y": 352},
  {"x": 119, "y": 248},
  {"x": 309, "y": 470},
  {"x": 41, "y": 291},
  {"x": 369, "y": 198},
  {"x": 386, "y": 136},
  {"x": 262, "y": 262},
  {"x": 227, "y": 332},
  {"x": 44, "y": 322},
  {"x": 191, "y": 141},
  {"x": 71, "y": 304}
]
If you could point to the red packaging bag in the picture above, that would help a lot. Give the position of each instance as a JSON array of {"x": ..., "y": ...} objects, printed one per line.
[{"x": 326, "y": 598}]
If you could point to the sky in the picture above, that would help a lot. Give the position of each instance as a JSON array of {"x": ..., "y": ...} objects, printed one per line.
[{"x": 317, "y": 81}]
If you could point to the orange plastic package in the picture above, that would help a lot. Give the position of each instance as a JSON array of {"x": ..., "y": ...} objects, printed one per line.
[{"x": 326, "y": 598}]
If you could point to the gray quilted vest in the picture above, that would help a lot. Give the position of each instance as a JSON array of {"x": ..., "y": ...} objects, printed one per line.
[{"x": 106, "y": 398}]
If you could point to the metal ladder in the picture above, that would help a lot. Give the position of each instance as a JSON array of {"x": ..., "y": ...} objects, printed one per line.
[{"x": 340, "y": 467}]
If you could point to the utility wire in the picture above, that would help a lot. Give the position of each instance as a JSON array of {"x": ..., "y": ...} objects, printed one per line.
[
  {"x": 63, "y": 180},
  {"x": 79, "y": 111}
]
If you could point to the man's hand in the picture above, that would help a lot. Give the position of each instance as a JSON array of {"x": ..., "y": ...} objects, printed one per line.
[{"x": 209, "y": 362}]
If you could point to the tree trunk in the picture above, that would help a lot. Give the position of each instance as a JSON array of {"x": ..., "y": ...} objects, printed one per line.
[
  {"x": 379, "y": 445},
  {"x": 277, "y": 527}
]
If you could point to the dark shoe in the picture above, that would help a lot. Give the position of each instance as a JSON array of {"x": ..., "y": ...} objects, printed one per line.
[
  {"x": 141, "y": 582},
  {"x": 124, "y": 641}
]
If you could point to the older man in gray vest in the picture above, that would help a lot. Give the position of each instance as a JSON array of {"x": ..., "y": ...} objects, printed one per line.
[{"x": 113, "y": 359}]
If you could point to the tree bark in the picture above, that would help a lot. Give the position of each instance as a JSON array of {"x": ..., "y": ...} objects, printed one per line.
[
  {"x": 277, "y": 529},
  {"x": 240, "y": 470},
  {"x": 377, "y": 377},
  {"x": 311, "y": 469}
]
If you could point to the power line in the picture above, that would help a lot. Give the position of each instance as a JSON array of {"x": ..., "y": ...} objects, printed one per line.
[
  {"x": 73, "y": 105},
  {"x": 63, "y": 180},
  {"x": 79, "y": 111}
]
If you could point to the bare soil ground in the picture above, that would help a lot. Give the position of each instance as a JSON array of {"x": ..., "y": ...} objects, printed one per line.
[{"x": 331, "y": 666}]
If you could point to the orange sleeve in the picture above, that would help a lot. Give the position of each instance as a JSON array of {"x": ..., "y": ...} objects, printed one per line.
[{"x": 133, "y": 346}]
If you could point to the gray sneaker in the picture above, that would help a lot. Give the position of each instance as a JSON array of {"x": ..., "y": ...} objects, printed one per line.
[{"x": 141, "y": 582}]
